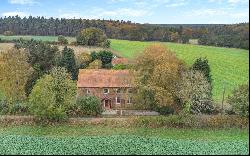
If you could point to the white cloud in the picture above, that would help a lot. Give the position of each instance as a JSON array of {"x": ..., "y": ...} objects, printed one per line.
[
  {"x": 14, "y": 13},
  {"x": 23, "y": 2}
]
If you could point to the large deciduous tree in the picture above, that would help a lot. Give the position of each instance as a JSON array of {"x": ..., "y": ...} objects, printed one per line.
[
  {"x": 157, "y": 75},
  {"x": 53, "y": 95},
  {"x": 14, "y": 73},
  {"x": 92, "y": 37}
]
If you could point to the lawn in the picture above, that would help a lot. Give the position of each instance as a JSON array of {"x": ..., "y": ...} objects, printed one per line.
[
  {"x": 229, "y": 66},
  {"x": 103, "y": 140}
]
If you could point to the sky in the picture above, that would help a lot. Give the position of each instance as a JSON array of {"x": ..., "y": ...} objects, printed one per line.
[{"x": 139, "y": 11}]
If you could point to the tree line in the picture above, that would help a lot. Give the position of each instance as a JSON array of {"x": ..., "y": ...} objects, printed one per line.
[{"x": 217, "y": 35}]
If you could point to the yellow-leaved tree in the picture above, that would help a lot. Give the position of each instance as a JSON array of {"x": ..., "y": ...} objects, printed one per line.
[
  {"x": 14, "y": 73},
  {"x": 157, "y": 76}
]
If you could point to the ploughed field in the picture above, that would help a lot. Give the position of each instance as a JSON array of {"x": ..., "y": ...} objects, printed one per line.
[
  {"x": 229, "y": 66},
  {"x": 104, "y": 140}
]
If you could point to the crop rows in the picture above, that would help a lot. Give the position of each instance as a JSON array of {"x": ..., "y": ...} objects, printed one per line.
[{"x": 116, "y": 145}]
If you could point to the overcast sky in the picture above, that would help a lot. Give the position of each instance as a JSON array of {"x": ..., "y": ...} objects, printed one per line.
[{"x": 140, "y": 11}]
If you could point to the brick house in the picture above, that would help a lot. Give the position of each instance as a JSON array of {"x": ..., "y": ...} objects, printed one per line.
[{"x": 112, "y": 87}]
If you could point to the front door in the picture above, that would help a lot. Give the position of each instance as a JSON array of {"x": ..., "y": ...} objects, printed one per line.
[{"x": 107, "y": 104}]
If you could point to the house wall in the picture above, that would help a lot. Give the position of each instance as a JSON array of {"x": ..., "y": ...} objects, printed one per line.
[{"x": 112, "y": 95}]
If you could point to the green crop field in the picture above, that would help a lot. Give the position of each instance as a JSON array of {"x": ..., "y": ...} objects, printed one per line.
[
  {"x": 103, "y": 140},
  {"x": 229, "y": 66}
]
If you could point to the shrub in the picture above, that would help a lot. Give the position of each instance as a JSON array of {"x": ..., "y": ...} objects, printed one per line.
[
  {"x": 88, "y": 105},
  {"x": 62, "y": 40},
  {"x": 4, "y": 109},
  {"x": 165, "y": 110},
  {"x": 52, "y": 96},
  {"x": 239, "y": 100}
]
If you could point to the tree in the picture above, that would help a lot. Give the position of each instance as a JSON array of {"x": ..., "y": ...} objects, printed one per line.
[
  {"x": 106, "y": 58},
  {"x": 14, "y": 73},
  {"x": 157, "y": 75},
  {"x": 203, "y": 66},
  {"x": 68, "y": 61},
  {"x": 41, "y": 56},
  {"x": 83, "y": 60},
  {"x": 62, "y": 40},
  {"x": 92, "y": 37},
  {"x": 239, "y": 100},
  {"x": 194, "y": 92},
  {"x": 53, "y": 95}
]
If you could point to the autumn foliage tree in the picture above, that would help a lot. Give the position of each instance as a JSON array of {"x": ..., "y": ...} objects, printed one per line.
[
  {"x": 157, "y": 75},
  {"x": 92, "y": 37},
  {"x": 14, "y": 73}
]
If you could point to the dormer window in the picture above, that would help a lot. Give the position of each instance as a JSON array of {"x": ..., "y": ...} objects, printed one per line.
[{"x": 105, "y": 90}]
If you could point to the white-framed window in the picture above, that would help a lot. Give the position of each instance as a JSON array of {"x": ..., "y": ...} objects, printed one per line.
[
  {"x": 118, "y": 90},
  {"x": 87, "y": 91},
  {"x": 118, "y": 100},
  {"x": 129, "y": 100},
  {"x": 105, "y": 90}
]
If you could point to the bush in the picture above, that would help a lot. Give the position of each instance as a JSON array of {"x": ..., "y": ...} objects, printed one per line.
[
  {"x": 239, "y": 100},
  {"x": 52, "y": 96},
  {"x": 106, "y": 44},
  {"x": 62, "y": 40},
  {"x": 3, "y": 107},
  {"x": 88, "y": 105},
  {"x": 165, "y": 110}
]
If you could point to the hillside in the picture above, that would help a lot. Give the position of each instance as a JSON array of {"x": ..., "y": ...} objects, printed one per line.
[{"x": 229, "y": 66}]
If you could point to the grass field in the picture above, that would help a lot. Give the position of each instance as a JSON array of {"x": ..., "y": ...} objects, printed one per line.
[
  {"x": 103, "y": 140},
  {"x": 43, "y": 38},
  {"x": 230, "y": 67}
]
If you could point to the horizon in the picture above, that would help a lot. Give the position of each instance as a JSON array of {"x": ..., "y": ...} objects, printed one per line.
[{"x": 179, "y": 12}]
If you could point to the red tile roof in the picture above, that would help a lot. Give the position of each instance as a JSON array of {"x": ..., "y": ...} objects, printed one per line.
[{"x": 101, "y": 78}]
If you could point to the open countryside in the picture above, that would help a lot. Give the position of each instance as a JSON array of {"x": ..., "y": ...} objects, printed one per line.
[
  {"x": 220, "y": 59},
  {"x": 118, "y": 77}
]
